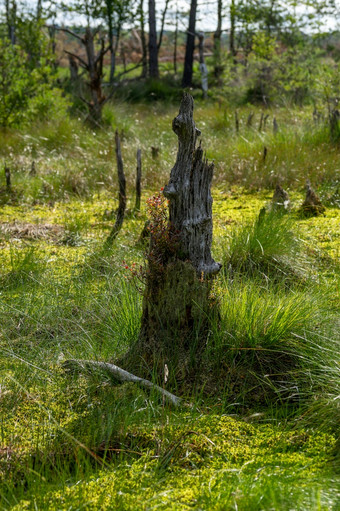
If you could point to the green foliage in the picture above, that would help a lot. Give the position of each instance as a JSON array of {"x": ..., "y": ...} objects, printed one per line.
[{"x": 25, "y": 91}]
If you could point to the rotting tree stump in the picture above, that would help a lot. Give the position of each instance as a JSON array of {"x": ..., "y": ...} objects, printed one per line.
[
  {"x": 312, "y": 205},
  {"x": 280, "y": 201},
  {"x": 177, "y": 303}
]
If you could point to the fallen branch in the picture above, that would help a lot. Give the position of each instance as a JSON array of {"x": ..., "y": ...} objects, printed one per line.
[{"x": 121, "y": 375}]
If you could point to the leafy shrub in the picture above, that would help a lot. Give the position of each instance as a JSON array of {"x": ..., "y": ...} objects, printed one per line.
[{"x": 26, "y": 93}]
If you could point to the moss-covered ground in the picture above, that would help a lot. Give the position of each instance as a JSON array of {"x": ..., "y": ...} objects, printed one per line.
[{"x": 261, "y": 431}]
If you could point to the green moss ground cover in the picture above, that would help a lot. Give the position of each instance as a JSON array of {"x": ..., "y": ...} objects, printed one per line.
[{"x": 263, "y": 429}]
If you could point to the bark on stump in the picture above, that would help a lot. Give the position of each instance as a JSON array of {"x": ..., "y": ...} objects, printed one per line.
[{"x": 177, "y": 305}]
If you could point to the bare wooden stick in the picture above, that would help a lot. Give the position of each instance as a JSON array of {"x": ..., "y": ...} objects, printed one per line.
[
  {"x": 33, "y": 171},
  {"x": 275, "y": 126},
  {"x": 250, "y": 120},
  {"x": 266, "y": 117},
  {"x": 265, "y": 152},
  {"x": 261, "y": 122},
  {"x": 237, "y": 122},
  {"x": 138, "y": 179},
  {"x": 120, "y": 375},
  {"x": 122, "y": 192},
  {"x": 8, "y": 178}
]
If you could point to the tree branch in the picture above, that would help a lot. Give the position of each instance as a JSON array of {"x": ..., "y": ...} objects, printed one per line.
[
  {"x": 162, "y": 24},
  {"x": 101, "y": 54},
  {"x": 82, "y": 62},
  {"x": 120, "y": 375},
  {"x": 68, "y": 31}
]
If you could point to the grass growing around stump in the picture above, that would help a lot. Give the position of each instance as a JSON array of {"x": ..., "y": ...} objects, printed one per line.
[{"x": 81, "y": 442}]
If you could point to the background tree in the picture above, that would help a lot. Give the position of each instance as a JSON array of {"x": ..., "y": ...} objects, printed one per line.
[
  {"x": 153, "y": 45},
  {"x": 115, "y": 14},
  {"x": 217, "y": 43},
  {"x": 11, "y": 19},
  {"x": 190, "y": 46}
]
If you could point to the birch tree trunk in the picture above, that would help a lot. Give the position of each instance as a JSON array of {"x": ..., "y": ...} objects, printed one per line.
[{"x": 177, "y": 305}]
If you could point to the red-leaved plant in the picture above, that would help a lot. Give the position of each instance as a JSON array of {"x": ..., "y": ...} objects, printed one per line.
[{"x": 163, "y": 241}]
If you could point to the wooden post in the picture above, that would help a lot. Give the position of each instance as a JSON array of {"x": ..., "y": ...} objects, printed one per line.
[
  {"x": 138, "y": 179},
  {"x": 122, "y": 192}
]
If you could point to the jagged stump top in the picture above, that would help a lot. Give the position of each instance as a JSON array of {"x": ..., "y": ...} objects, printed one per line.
[{"x": 188, "y": 190}]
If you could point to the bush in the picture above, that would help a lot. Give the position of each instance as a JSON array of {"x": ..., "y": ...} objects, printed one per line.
[{"x": 26, "y": 93}]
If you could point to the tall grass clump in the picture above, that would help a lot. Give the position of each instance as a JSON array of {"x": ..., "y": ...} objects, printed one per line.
[
  {"x": 264, "y": 346},
  {"x": 267, "y": 246}
]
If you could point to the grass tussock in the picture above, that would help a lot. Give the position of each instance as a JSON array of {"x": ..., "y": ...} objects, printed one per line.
[{"x": 268, "y": 246}]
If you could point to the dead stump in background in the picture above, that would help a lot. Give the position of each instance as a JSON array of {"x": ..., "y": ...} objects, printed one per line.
[
  {"x": 312, "y": 205},
  {"x": 280, "y": 201},
  {"x": 177, "y": 304}
]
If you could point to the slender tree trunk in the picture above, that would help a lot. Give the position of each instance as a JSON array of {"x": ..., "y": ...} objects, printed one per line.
[
  {"x": 95, "y": 72},
  {"x": 217, "y": 43},
  {"x": 203, "y": 67},
  {"x": 138, "y": 179},
  {"x": 143, "y": 41},
  {"x": 162, "y": 24},
  {"x": 176, "y": 306},
  {"x": 190, "y": 46},
  {"x": 8, "y": 178},
  {"x": 39, "y": 10},
  {"x": 112, "y": 50},
  {"x": 175, "y": 42},
  {"x": 11, "y": 16},
  {"x": 153, "y": 47},
  {"x": 232, "y": 47}
]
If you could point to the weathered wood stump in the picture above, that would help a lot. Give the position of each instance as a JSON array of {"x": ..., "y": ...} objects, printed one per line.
[
  {"x": 312, "y": 205},
  {"x": 280, "y": 201},
  {"x": 177, "y": 305}
]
